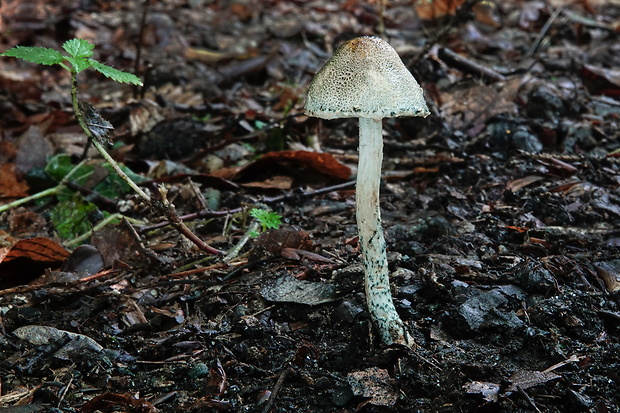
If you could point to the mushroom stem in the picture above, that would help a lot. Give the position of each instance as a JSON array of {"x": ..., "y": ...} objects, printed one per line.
[{"x": 377, "y": 277}]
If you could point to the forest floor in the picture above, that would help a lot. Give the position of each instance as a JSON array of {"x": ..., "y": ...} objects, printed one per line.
[{"x": 501, "y": 211}]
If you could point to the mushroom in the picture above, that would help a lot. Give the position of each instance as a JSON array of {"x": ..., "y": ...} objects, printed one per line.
[{"x": 366, "y": 79}]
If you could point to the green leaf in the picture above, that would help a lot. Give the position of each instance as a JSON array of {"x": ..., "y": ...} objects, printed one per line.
[
  {"x": 71, "y": 217},
  {"x": 40, "y": 55},
  {"x": 79, "y": 48},
  {"x": 115, "y": 74},
  {"x": 79, "y": 63},
  {"x": 113, "y": 185},
  {"x": 267, "y": 219},
  {"x": 58, "y": 166}
]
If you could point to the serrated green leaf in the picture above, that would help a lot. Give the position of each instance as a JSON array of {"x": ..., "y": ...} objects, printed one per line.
[
  {"x": 40, "y": 55},
  {"x": 78, "y": 63},
  {"x": 267, "y": 219},
  {"x": 79, "y": 48},
  {"x": 115, "y": 74}
]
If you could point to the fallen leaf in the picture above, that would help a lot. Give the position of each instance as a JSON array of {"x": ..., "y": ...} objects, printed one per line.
[
  {"x": 601, "y": 80},
  {"x": 375, "y": 384},
  {"x": 276, "y": 182},
  {"x": 324, "y": 163},
  {"x": 10, "y": 185},
  {"x": 469, "y": 108},
  {"x": 489, "y": 391},
  {"x": 609, "y": 271},
  {"x": 28, "y": 259},
  {"x": 290, "y": 289},
  {"x": 518, "y": 184},
  {"x": 526, "y": 379},
  {"x": 38, "y": 249},
  {"x": 436, "y": 9},
  {"x": 43, "y": 335},
  {"x": 104, "y": 401}
]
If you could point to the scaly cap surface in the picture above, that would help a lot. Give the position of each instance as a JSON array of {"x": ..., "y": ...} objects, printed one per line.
[{"x": 365, "y": 78}]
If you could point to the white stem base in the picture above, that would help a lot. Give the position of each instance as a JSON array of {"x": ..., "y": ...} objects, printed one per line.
[{"x": 377, "y": 277}]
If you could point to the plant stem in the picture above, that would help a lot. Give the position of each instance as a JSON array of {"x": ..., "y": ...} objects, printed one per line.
[
  {"x": 116, "y": 216},
  {"x": 79, "y": 115},
  {"x": 42, "y": 194},
  {"x": 21, "y": 201},
  {"x": 233, "y": 252},
  {"x": 374, "y": 256},
  {"x": 165, "y": 208}
]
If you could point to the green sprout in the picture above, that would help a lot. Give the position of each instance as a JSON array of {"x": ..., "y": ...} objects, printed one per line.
[
  {"x": 267, "y": 219},
  {"x": 78, "y": 58}
]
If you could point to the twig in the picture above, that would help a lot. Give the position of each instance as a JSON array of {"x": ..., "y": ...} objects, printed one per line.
[
  {"x": 459, "y": 16},
  {"x": 233, "y": 252},
  {"x": 139, "y": 41},
  {"x": 276, "y": 389},
  {"x": 146, "y": 251},
  {"x": 468, "y": 66},
  {"x": 572, "y": 359},
  {"x": 528, "y": 399},
  {"x": 168, "y": 210},
  {"x": 269, "y": 200},
  {"x": 64, "y": 391},
  {"x": 381, "y": 25},
  {"x": 22, "y": 289},
  {"x": 543, "y": 32}
]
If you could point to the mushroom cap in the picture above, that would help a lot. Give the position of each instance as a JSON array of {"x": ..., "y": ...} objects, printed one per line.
[{"x": 365, "y": 78}]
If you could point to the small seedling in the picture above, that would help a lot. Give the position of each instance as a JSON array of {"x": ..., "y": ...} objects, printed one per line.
[
  {"x": 78, "y": 58},
  {"x": 267, "y": 219}
]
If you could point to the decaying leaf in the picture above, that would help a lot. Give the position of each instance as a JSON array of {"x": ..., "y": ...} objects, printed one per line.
[
  {"x": 609, "y": 271},
  {"x": 10, "y": 185},
  {"x": 436, "y": 9},
  {"x": 104, "y": 401},
  {"x": 489, "y": 391},
  {"x": 518, "y": 184},
  {"x": 98, "y": 126},
  {"x": 28, "y": 259},
  {"x": 290, "y": 289},
  {"x": 38, "y": 249},
  {"x": 375, "y": 384},
  {"x": 526, "y": 379},
  {"x": 42, "y": 335},
  {"x": 323, "y": 163}
]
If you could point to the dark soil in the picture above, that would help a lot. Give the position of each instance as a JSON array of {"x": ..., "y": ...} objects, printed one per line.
[{"x": 501, "y": 212}]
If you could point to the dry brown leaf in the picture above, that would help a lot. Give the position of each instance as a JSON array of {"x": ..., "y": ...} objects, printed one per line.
[
  {"x": 436, "y": 9},
  {"x": 320, "y": 162},
  {"x": 276, "y": 182},
  {"x": 38, "y": 249},
  {"x": 470, "y": 108},
  {"x": 375, "y": 384},
  {"x": 10, "y": 185},
  {"x": 518, "y": 184},
  {"x": 28, "y": 259}
]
